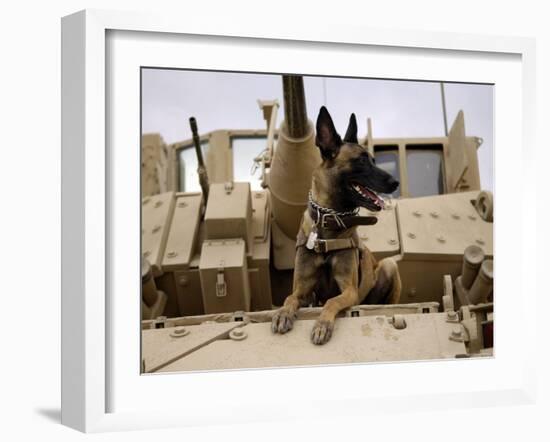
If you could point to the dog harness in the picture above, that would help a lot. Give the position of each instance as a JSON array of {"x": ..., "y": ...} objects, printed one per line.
[{"x": 325, "y": 218}]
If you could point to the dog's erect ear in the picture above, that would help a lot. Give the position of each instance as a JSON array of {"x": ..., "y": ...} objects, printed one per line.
[
  {"x": 351, "y": 133},
  {"x": 327, "y": 138}
]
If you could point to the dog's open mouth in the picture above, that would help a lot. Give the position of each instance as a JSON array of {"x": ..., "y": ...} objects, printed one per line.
[{"x": 369, "y": 197}]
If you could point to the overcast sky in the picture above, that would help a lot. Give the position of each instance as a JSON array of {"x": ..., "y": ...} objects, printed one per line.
[{"x": 220, "y": 100}]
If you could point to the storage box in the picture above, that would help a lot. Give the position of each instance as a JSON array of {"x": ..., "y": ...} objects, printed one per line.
[
  {"x": 229, "y": 212},
  {"x": 224, "y": 276}
]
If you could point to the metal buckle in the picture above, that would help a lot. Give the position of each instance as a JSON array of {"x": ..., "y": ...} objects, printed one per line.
[
  {"x": 337, "y": 221},
  {"x": 320, "y": 246},
  {"x": 323, "y": 220}
]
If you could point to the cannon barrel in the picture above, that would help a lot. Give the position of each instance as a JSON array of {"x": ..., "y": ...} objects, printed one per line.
[
  {"x": 295, "y": 106},
  {"x": 294, "y": 159}
]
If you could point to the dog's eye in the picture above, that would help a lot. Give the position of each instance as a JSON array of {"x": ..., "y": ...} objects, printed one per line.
[{"x": 369, "y": 158}]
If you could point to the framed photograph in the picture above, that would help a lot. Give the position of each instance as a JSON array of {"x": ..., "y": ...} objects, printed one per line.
[{"x": 255, "y": 210}]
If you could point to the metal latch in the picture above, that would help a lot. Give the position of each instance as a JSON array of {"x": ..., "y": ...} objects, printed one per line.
[
  {"x": 228, "y": 187},
  {"x": 221, "y": 285}
]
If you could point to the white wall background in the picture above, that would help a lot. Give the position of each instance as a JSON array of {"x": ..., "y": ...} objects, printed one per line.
[
  {"x": 222, "y": 100},
  {"x": 30, "y": 223}
]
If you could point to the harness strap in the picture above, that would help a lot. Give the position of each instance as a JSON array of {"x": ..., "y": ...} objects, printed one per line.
[
  {"x": 333, "y": 222},
  {"x": 330, "y": 245}
]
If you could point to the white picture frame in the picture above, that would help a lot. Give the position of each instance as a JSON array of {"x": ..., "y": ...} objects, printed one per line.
[{"x": 88, "y": 319}]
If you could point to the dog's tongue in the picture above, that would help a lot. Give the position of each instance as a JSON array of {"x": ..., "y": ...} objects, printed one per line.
[{"x": 373, "y": 196}]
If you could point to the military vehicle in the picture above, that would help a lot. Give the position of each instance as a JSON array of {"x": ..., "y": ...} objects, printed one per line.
[{"x": 218, "y": 255}]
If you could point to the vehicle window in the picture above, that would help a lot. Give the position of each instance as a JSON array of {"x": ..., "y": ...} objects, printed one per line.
[
  {"x": 425, "y": 171},
  {"x": 188, "y": 176},
  {"x": 245, "y": 149}
]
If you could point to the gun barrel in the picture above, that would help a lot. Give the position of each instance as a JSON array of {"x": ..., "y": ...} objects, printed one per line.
[
  {"x": 201, "y": 169},
  {"x": 295, "y": 106}
]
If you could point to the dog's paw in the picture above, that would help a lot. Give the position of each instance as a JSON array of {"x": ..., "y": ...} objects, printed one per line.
[
  {"x": 322, "y": 332},
  {"x": 282, "y": 321}
]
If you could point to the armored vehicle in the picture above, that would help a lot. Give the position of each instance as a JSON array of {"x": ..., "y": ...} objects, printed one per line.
[{"x": 218, "y": 252}]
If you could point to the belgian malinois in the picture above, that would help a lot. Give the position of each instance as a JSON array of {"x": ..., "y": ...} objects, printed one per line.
[{"x": 331, "y": 262}]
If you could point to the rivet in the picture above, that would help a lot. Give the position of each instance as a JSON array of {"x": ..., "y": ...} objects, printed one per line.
[
  {"x": 457, "y": 332},
  {"x": 156, "y": 228},
  {"x": 171, "y": 254},
  {"x": 237, "y": 334},
  {"x": 451, "y": 314},
  {"x": 364, "y": 237},
  {"x": 417, "y": 213},
  {"x": 145, "y": 201},
  {"x": 178, "y": 332},
  {"x": 392, "y": 241},
  {"x": 434, "y": 214},
  {"x": 412, "y": 292},
  {"x": 182, "y": 204},
  {"x": 472, "y": 217},
  {"x": 480, "y": 241},
  {"x": 158, "y": 204},
  {"x": 146, "y": 253},
  {"x": 441, "y": 239},
  {"x": 259, "y": 195},
  {"x": 411, "y": 235},
  {"x": 455, "y": 216},
  {"x": 183, "y": 281}
]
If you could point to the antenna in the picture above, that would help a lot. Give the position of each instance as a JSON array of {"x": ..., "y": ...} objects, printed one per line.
[{"x": 444, "y": 106}]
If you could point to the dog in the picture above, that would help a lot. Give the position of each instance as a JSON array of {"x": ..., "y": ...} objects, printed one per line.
[{"x": 331, "y": 262}]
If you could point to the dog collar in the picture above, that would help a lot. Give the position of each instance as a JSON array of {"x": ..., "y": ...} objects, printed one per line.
[
  {"x": 330, "y": 219},
  {"x": 322, "y": 209}
]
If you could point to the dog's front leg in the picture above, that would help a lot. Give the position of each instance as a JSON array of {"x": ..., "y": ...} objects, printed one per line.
[
  {"x": 344, "y": 269},
  {"x": 306, "y": 269},
  {"x": 322, "y": 330}
]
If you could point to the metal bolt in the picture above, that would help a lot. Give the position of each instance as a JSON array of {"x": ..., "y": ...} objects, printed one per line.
[
  {"x": 451, "y": 314},
  {"x": 456, "y": 333},
  {"x": 417, "y": 213},
  {"x": 441, "y": 239},
  {"x": 156, "y": 228},
  {"x": 237, "y": 334},
  {"x": 171, "y": 254},
  {"x": 145, "y": 201},
  {"x": 146, "y": 253},
  {"x": 480, "y": 241},
  {"x": 179, "y": 332},
  {"x": 183, "y": 281},
  {"x": 472, "y": 217},
  {"x": 399, "y": 322},
  {"x": 392, "y": 241},
  {"x": 182, "y": 204},
  {"x": 455, "y": 216},
  {"x": 411, "y": 235},
  {"x": 434, "y": 214},
  {"x": 158, "y": 204}
]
